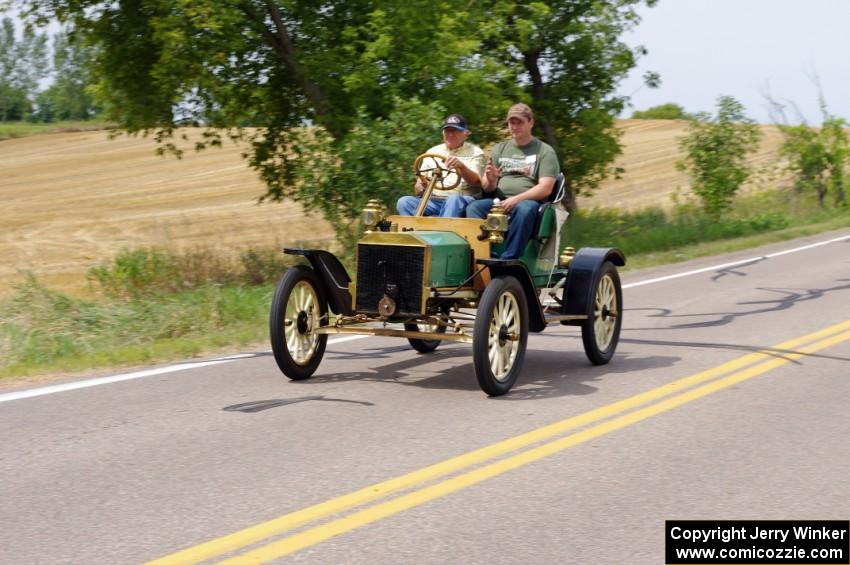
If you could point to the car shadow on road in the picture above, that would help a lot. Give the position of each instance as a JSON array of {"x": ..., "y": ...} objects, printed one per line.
[{"x": 545, "y": 373}]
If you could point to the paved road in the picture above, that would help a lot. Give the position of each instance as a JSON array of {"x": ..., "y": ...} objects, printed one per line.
[{"x": 726, "y": 400}]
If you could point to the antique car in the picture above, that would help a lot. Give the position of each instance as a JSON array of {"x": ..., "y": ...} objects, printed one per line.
[{"x": 431, "y": 279}]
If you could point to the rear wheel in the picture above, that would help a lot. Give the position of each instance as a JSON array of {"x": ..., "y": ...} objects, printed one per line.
[
  {"x": 499, "y": 335},
  {"x": 298, "y": 309},
  {"x": 424, "y": 345},
  {"x": 601, "y": 331}
]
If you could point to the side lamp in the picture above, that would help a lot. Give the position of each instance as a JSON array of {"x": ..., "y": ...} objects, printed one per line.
[
  {"x": 372, "y": 215},
  {"x": 495, "y": 225}
]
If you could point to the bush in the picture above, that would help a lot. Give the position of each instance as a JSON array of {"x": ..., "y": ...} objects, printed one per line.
[
  {"x": 667, "y": 111},
  {"x": 142, "y": 272},
  {"x": 652, "y": 230},
  {"x": 716, "y": 150}
]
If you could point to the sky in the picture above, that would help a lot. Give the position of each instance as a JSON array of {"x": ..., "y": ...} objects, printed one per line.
[{"x": 707, "y": 48}]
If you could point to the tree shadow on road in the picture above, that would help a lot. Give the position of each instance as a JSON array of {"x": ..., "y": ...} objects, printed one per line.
[{"x": 782, "y": 299}]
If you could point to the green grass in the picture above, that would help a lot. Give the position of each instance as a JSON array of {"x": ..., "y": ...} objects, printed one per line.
[
  {"x": 651, "y": 237},
  {"x": 151, "y": 305},
  {"x": 10, "y": 130},
  {"x": 154, "y": 305},
  {"x": 45, "y": 331}
]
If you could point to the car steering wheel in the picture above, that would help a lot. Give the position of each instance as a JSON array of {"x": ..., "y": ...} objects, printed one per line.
[{"x": 432, "y": 166}]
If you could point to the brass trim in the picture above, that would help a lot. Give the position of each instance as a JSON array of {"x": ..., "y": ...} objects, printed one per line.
[
  {"x": 449, "y": 292},
  {"x": 387, "y": 332},
  {"x": 352, "y": 290},
  {"x": 564, "y": 317},
  {"x": 402, "y": 239}
]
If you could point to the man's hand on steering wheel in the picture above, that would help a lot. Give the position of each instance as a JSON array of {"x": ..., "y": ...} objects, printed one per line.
[
  {"x": 420, "y": 186},
  {"x": 430, "y": 166}
]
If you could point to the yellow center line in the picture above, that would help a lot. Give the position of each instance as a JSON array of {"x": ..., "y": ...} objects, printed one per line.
[
  {"x": 383, "y": 510},
  {"x": 252, "y": 534}
]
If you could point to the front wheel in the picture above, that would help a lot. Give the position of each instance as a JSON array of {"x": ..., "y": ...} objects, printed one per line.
[
  {"x": 601, "y": 331},
  {"x": 499, "y": 335},
  {"x": 298, "y": 309}
]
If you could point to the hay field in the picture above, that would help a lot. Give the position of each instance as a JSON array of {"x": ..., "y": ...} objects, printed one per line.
[
  {"x": 72, "y": 200},
  {"x": 649, "y": 158}
]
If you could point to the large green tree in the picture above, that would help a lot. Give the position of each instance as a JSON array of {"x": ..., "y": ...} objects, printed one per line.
[
  {"x": 23, "y": 62},
  {"x": 343, "y": 65}
]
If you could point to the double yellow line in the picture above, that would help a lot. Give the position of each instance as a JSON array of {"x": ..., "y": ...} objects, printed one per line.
[{"x": 616, "y": 416}]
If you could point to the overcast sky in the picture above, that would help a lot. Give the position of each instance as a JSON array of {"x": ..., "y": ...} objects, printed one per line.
[{"x": 705, "y": 48}]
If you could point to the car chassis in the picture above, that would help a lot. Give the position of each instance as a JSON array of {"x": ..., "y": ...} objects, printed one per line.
[{"x": 438, "y": 279}]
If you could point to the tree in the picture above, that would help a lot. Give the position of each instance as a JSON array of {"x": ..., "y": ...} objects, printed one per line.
[
  {"x": 344, "y": 65},
  {"x": 23, "y": 62},
  {"x": 669, "y": 111},
  {"x": 569, "y": 56},
  {"x": 807, "y": 158},
  {"x": 324, "y": 166},
  {"x": 67, "y": 98},
  {"x": 716, "y": 150},
  {"x": 817, "y": 157},
  {"x": 834, "y": 135}
]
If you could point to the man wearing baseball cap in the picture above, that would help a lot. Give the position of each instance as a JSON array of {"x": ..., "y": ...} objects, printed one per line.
[
  {"x": 523, "y": 169},
  {"x": 466, "y": 159}
]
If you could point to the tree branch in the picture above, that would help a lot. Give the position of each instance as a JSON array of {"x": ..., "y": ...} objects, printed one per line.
[{"x": 281, "y": 42}]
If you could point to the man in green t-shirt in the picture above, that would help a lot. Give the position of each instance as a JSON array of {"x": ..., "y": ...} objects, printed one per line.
[{"x": 523, "y": 169}]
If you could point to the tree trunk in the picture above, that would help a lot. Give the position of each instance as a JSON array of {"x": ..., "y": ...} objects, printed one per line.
[
  {"x": 280, "y": 40},
  {"x": 840, "y": 198},
  {"x": 530, "y": 60}
]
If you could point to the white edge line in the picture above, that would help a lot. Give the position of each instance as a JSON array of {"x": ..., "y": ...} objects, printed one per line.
[
  {"x": 736, "y": 263},
  {"x": 41, "y": 391}
]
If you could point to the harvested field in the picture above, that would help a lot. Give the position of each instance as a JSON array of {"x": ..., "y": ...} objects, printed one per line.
[
  {"x": 649, "y": 158},
  {"x": 73, "y": 200}
]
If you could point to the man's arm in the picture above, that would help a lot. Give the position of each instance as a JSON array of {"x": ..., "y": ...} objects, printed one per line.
[
  {"x": 466, "y": 173},
  {"x": 490, "y": 180},
  {"x": 538, "y": 192}
]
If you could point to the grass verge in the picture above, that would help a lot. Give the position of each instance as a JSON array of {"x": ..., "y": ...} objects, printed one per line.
[
  {"x": 653, "y": 237},
  {"x": 151, "y": 305}
]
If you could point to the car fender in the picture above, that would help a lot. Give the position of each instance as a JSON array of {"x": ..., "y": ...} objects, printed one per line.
[
  {"x": 333, "y": 275},
  {"x": 581, "y": 278},
  {"x": 518, "y": 270}
]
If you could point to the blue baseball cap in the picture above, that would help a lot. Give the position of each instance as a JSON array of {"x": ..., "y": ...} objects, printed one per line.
[{"x": 455, "y": 121}]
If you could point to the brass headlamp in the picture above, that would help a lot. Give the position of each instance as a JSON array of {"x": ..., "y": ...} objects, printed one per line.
[
  {"x": 496, "y": 224},
  {"x": 372, "y": 214}
]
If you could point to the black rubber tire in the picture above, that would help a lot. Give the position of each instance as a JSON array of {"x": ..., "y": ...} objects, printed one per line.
[
  {"x": 484, "y": 328},
  {"x": 607, "y": 280},
  {"x": 423, "y": 345},
  {"x": 278, "y": 331}
]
